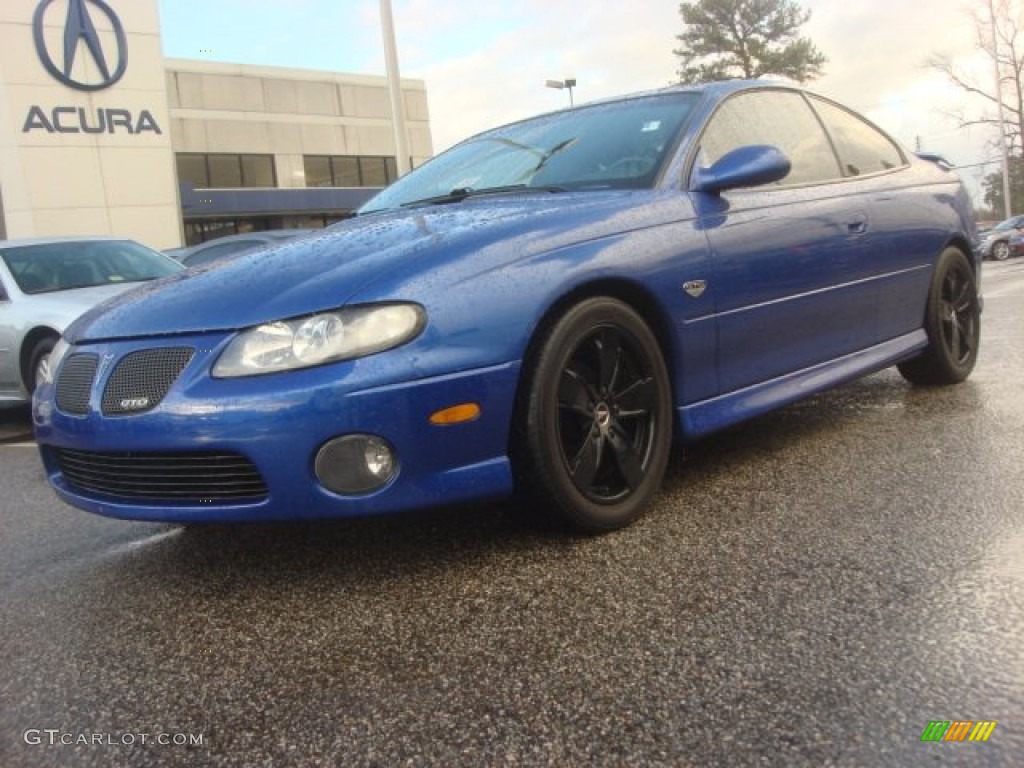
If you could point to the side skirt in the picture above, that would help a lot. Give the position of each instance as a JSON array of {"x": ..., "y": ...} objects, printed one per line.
[{"x": 725, "y": 410}]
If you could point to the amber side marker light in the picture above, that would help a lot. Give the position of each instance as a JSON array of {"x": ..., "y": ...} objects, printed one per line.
[{"x": 457, "y": 414}]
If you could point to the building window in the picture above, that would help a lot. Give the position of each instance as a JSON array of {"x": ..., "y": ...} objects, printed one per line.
[
  {"x": 346, "y": 172},
  {"x": 226, "y": 171},
  {"x": 192, "y": 170},
  {"x": 258, "y": 171},
  {"x": 374, "y": 171},
  {"x": 318, "y": 171},
  {"x": 349, "y": 171}
]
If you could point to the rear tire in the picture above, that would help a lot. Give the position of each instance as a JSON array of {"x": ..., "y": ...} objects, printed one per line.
[
  {"x": 594, "y": 426},
  {"x": 953, "y": 325}
]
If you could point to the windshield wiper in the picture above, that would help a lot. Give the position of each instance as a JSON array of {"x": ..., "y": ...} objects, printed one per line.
[
  {"x": 459, "y": 194},
  {"x": 552, "y": 152}
]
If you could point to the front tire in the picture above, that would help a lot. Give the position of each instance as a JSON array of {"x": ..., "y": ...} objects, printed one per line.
[
  {"x": 953, "y": 324},
  {"x": 595, "y": 424},
  {"x": 39, "y": 363},
  {"x": 1001, "y": 250}
]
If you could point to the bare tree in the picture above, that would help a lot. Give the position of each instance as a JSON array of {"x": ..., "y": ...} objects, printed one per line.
[{"x": 1004, "y": 45}]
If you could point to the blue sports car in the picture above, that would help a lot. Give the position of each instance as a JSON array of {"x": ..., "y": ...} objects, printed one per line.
[{"x": 541, "y": 309}]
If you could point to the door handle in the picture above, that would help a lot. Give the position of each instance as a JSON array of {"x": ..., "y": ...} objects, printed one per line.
[{"x": 857, "y": 225}]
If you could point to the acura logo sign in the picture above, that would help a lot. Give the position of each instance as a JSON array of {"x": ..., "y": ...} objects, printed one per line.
[
  {"x": 107, "y": 62},
  {"x": 85, "y": 61}
]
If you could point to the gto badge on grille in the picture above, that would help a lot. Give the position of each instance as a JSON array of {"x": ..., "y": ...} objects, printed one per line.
[
  {"x": 695, "y": 287},
  {"x": 134, "y": 403}
]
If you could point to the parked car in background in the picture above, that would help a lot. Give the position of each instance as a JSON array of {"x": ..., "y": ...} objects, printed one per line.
[
  {"x": 984, "y": 227},
  {"x": 212, "y": 250},
  {"x": 46, "y": 283},
  {"x": 543, "y": 308},
  {"x": 1016, "y": 245},
  {"x": 996, "y": 243}
]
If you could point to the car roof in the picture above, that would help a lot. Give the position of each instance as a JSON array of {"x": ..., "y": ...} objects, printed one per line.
[
  {"x": 718, "y": 88},
  {"x": 54, "y": 240},
  {"x": 258, "y": 236},
  {"x": 263, "y": 234}
]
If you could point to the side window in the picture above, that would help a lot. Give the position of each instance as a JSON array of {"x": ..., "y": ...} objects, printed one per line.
[
  {"x": 862, "y": 148},
  {"x": 782, "y": 119},
  {"x": 3, "y": 291}
]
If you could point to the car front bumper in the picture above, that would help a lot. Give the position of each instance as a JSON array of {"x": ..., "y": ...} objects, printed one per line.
[{"x": 278, "y": 424}]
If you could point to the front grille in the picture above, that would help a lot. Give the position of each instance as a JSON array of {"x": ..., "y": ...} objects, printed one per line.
[
  {"x": 75, "y": 383},
  {"x": 142, "y": 379},
  {"x": 181, "y": 477}
]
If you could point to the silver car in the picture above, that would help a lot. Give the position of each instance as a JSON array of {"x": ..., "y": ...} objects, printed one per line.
[
  {"x": 221, "y": 247},
  {"x": 46, "y": 283},
  {"x": 997, "y": 243}
]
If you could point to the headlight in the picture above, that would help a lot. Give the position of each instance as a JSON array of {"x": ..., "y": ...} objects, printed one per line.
[{"x": 323, "y": 338}]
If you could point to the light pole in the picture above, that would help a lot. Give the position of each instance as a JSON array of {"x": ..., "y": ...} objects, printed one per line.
[
  {"x": 394, "y": 88},
  {"x": 569, "y": 83},
  {"x": 1003, "y": 150}
]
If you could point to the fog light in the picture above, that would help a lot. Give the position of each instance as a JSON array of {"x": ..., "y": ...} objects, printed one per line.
[{"x": 355, "y": 464}]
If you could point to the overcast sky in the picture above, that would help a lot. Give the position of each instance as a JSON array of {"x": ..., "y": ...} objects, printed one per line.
[{"x": 486, "y": 63}]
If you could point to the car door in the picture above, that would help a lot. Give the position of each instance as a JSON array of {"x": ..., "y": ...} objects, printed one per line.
[
  {"x": 9, "y": 376},
  {"x": 787, "y": 258},
  {"x": 907, "y": 234}
]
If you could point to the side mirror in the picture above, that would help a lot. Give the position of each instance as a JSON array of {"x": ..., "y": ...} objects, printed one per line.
[{"x": 751, "y": 166}]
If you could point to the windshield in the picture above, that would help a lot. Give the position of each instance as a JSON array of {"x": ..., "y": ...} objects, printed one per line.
[
  {"x": 83, "y": 264},
  {"x": 619, "y": 144}
]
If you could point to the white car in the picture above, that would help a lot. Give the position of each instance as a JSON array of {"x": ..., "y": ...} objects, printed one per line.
[{"x": 46, "y": 283}]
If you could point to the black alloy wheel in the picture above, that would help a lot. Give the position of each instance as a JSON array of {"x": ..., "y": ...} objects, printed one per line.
[
  {"x": 953, "y": 325},
  {"x": 598, "y": 419}
]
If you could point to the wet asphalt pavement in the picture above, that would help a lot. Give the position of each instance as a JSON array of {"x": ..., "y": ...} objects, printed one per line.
[{"x": 812, "y": 588}]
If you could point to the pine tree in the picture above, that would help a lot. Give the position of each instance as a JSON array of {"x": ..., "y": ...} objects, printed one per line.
[{"x": 723, "y": 39}]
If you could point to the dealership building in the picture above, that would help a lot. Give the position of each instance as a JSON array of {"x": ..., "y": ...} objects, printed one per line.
[{"x": 100, "y": 134}]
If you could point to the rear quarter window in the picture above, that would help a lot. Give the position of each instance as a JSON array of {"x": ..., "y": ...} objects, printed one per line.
[{"x": 862, "y": 148}]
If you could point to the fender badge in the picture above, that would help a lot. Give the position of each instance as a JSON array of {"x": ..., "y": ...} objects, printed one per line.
[{"x": 695, "y": 287}]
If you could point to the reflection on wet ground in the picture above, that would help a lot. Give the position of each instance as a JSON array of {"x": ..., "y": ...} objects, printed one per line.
[{"x": 812, "y": 588}]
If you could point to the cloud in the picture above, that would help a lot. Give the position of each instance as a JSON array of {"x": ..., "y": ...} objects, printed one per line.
[
  {"x": 491, "y": 66},
  {"x": 486, "y": 63},
  {"x": 872, "y": 53}
]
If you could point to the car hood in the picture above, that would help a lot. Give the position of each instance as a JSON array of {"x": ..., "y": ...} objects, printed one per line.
[{"x": 321, "y": 273}]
